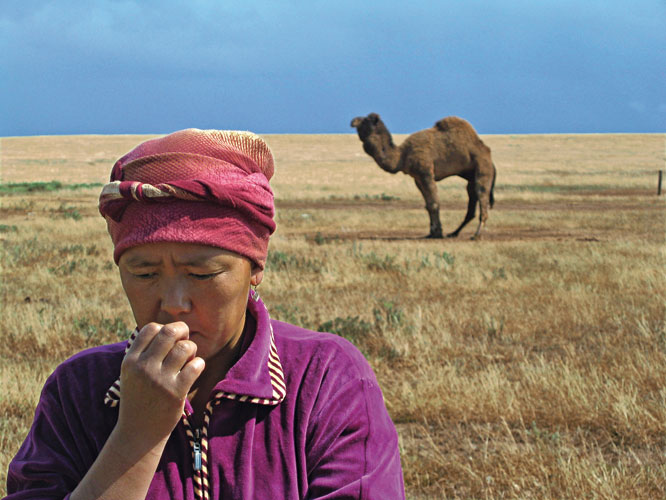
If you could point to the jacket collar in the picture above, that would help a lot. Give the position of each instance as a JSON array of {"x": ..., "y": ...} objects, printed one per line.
[{"x": 257, "y": 377}]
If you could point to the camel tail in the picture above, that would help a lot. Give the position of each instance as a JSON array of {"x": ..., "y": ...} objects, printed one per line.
[{"x": 492, "y": 187}]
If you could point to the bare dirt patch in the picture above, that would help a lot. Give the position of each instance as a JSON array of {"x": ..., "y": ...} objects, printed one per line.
[
  {"x": 593, "y": 205},
  {"x": 518, "y": 234},
  {"x": 498, "y": 229}
]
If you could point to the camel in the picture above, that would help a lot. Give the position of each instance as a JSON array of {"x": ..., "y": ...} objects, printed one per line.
[{"x": 450, "y": 147}]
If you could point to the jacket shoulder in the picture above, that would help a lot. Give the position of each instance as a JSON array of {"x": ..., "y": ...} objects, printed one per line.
[
  {"x": 322, "y": 350},
  {"x": 89, "y": 371},
  {"x": 102, "y": 356}
]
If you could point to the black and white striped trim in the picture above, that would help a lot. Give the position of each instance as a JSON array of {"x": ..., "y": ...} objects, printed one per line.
[
  {"x": 112, "y": 396},
  {"x": 277, "y": 382}
]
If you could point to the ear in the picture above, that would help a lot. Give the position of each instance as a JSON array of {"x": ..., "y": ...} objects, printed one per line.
[{"x": 257, "y": 276}]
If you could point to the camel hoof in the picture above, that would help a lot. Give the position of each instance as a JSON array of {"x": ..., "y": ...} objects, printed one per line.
[
  {"x": 452, "y": 235},
  {"x": 476, "y": 237},
  {"x": 436, "y": 236}
]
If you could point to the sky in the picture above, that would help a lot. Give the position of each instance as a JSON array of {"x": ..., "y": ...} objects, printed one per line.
[{"x": 310, "y": 66}]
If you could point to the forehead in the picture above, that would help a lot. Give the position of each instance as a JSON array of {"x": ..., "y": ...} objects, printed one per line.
[{"x": 187, "y": 254}]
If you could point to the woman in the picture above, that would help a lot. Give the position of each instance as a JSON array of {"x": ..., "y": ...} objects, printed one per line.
[{"x": 209, "y": 398}]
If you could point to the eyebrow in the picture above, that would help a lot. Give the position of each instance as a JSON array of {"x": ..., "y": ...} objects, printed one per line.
[
  {"x": 196, "y": 262},
  {"x": 141, "y": 261}
]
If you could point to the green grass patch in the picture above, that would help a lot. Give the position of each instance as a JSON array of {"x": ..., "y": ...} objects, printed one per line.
[
  {"x": 95, "y": 327},
  {"x": 67, "y": 212},
  {"x": 366, "y": 197},
  {"x": 282, "y": 261},
  {"x": 353, "y": 328},
  {"x": 38, "y": 161},
  {"x": 32, "y": 187}
]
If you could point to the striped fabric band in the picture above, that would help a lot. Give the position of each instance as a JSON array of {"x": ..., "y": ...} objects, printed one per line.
[
  {"x": 277, "y": 381},
  {"x": 140, "y": 191},
  {"x": 112, "y": 396}
]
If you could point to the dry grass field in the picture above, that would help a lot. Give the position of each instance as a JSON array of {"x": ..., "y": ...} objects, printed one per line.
[{"x": 528, "y": 365}]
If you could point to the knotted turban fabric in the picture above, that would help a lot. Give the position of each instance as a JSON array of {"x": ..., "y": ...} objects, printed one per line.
[{"x": 209, "y": 187}]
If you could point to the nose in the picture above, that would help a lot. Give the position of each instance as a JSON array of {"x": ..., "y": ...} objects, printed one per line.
[{"x": 175, "y": 300}]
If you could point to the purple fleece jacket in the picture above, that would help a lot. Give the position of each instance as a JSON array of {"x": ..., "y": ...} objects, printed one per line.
[{"x": 325, "y": 434}]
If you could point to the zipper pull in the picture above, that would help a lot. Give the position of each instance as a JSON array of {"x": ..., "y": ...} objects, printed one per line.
[{"x": 197, "y": 450}]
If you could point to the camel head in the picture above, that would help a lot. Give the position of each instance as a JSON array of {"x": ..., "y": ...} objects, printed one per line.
[{"x": 373, "y": 133}]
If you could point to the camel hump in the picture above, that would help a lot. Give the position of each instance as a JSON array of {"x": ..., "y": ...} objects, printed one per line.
[{"x": 451, "y": 122}]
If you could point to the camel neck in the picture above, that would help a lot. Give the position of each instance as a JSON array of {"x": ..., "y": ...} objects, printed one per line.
[{"x": 388, "y": 159}]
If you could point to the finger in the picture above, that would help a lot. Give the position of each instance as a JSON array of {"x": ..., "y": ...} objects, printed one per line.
[
  {"x": 166, "y": 338},
  {"x": 189, "y": 374},
  {"x": 182, "y": 352},
  {"x": 144, "y": 338}
]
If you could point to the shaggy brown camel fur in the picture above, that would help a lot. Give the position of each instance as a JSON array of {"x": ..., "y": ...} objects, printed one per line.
[{"x": 451, "y": 147}]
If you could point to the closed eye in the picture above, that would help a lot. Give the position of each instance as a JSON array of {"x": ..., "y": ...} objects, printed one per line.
[
  {"x": 202, "y": 277},
  {"x": 144, "y": 276}
]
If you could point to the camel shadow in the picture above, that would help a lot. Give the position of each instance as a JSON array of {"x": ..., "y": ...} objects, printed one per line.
[{"x": 392, "y": 238}]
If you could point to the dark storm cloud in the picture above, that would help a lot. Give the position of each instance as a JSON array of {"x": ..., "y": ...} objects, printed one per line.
[{"x": 309, "y": 66}]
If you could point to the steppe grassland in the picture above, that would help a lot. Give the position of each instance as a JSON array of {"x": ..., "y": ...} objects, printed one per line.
[{"x": 527, "y": 365}]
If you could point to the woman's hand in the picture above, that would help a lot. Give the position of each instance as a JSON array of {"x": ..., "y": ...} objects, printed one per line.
[{"x": 155, "y": 378}]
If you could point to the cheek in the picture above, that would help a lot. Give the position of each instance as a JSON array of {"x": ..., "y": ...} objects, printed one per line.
[
  {"x": 140, "y": 307},
  {"x": 226, "y": 303},
  {"x": 138, "y": 297}
]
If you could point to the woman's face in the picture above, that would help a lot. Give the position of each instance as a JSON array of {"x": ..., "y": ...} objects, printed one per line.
[{"x": 203, "y": 286}]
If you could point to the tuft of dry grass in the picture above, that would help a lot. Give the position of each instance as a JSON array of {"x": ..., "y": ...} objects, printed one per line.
[{"x": 531, "y": 364}]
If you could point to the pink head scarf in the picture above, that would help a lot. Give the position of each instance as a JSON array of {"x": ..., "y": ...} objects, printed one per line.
[{"x": 193, "y": 186}]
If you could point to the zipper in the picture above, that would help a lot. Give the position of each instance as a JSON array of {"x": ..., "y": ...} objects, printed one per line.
[
  {"x": 197, "y": 440},
  {"x": 197, "y": 450},
  {"x": 199, "y": 444}
]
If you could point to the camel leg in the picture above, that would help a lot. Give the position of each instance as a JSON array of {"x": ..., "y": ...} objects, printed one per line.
[
  {"x": 471, "y": 207},
  {"x": 485, "y": 177},
  {"x": 428, "y": 189}
]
